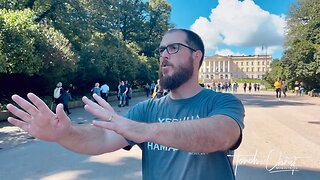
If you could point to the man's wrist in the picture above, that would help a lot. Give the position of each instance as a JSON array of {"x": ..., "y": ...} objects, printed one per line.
[{"x": 152, "y": 132}]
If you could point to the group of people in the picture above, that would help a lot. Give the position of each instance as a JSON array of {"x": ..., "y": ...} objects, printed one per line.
[
  {"x": 187, "y": 134},
  {"x": 62, "y": 95},
  {"x": 102, "y": 91},
  {"x": 281, "y": 87},
  {"x": 299, "y": 88},
  {"x": 256, "y": 87}
]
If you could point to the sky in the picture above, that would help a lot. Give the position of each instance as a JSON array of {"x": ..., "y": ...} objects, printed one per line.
[{"x": 235, "y": 27}]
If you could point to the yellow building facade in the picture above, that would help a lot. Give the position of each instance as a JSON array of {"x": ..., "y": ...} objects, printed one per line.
[{"x": 225, "y": 68}]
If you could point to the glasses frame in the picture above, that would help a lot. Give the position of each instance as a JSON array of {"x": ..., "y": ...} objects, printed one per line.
[{"x": 160, "y": 50}]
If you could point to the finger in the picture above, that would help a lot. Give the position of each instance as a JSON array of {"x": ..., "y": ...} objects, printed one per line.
[
  {"x": 24, "y": 104},
  {"x": 21, "y": 124},
  {"x": 39, "y": 103},
  {"x": 103, "y": 124},
  {"x": 89, "y": 102},
  {"x": 19, "y": 113},
  {"x": 100, "y": 112},
  {"x": 62, "y": 117},
  {"x": 103, "y": 103}
]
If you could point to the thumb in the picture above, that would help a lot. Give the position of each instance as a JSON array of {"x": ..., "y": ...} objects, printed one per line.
[{"x": 62, "y": 116}]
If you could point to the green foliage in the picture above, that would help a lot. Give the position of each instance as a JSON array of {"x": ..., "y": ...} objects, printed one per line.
[
  {"x": 301, "y": 57},
  {"x": 277, "y": 72},
  {"x": 81, "y": 42}
]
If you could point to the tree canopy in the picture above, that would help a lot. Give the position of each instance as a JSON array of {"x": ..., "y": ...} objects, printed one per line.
[
  {"x": 81, "y": 42},
  {"x": 301, "y": 61}
]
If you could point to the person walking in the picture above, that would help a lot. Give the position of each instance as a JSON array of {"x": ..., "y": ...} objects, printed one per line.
[
  {"x": 277, "y": 86},
  {"x": 105, "y": 91}
]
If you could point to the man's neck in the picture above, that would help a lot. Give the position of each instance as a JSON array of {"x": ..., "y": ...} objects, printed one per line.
[{"x": 186, "y": 90}]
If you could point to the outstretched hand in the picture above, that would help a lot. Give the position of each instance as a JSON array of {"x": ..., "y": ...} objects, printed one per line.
[
  {"x": 37, "y": 119},
  {"x": 127, "y": 128}
]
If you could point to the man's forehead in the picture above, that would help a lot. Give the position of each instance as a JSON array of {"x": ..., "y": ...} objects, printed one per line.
[{"x": 173, "y": 37}]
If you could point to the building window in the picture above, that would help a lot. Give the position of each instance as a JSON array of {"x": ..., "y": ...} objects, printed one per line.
[
  {"x": 252, "y": 76},
  {"x": 252, "y": 69},
  {"x": 242, "y": 69},
  {"x": 241, "y": 63},
  {"x": 221, "y": 76},
  {"x": 258, "y": 63},
  {"x": 207, "y": 69},
  {"x": 247, "y": 63},
  {"x": 258, "y": 76},
  {"x": 247, "y": 69},
  {"x": 262, "y": 62},
  {"x": 264, "y": 69},
  {"x": 227, "y": 76},
  {"x": 258, "y": 69},
  {"x": 252, "y": 63}
]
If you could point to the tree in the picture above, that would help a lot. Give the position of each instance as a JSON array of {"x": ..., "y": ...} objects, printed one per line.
[{"x": 302, "y": 49}]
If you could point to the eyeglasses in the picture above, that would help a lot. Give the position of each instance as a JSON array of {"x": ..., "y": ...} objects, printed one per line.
[{"x": 172, "y": 48}]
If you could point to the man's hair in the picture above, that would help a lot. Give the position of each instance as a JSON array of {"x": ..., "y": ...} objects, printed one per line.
[{"x": 193, "y": 40}]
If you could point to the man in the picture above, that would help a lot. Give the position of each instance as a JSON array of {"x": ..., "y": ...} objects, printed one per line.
[
  {"x": 184, "y": 135},
  {"x": 277, "y": 86},
  {"x": 104, "y": 91},
  {"x": 122, "y": 93}
]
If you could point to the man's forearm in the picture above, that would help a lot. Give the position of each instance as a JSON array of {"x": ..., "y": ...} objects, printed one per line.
[
  {"x": 203, "y": 135},
  {"x": 88, "y": 139}
]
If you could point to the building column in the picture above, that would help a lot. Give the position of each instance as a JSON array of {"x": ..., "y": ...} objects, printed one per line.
[
  {"x": 224, "y": 66},
  {"x": 228, "y": 66},
  {"x": 219, "y": 66},
  {"x": 214, "y": 66},
  {"x": 209, "y": 66}
]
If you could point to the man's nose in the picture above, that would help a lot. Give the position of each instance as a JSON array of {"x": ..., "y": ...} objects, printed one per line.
[{"x": 165, "y": 54}]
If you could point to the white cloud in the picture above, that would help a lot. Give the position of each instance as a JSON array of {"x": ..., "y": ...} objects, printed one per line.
[
  {"x": 242, "y": 24},
  {"x": 227, "y": 52},
  {"x": 266, "y": 50}
]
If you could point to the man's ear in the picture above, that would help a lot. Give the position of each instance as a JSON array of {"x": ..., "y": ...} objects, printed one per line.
[{"x": 198, "y": 55}]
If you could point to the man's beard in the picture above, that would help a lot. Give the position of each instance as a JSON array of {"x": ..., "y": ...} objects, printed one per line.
[{"x": 181, "y": 75}]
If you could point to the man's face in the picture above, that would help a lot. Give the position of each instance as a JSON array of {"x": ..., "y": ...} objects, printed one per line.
[{"x": 177, "y": 68}]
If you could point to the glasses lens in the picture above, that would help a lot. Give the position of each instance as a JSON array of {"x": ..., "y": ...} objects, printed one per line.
[{"x": 173, "y": 48}]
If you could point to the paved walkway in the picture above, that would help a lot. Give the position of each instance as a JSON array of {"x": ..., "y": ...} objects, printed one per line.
[{"x": 280, "y": 142}]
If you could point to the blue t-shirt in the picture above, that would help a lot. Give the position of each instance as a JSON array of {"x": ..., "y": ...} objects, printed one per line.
[{"x": 161, "y": 162}]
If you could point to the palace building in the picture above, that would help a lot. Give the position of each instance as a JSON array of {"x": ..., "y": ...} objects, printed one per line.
[{"x": 226, "y": 68}]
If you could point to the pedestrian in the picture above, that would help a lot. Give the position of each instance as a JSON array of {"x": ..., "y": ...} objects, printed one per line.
[
  {"x": 184, "y": 135},
  {"x": 105, "y": 91},
  {"x": 250, "y": 87},
  {"x": 147, "y": 89},
  {"x": 284, "y": 88},
  {"x": 245, "y": 87},
  {"x": 277, "y": 86},
  {"x": 96, "y": 89},
  {"x": 128, "y": 92},
  {"x": 57, "y": 93},
  {"x": 122, "y": 93},
  {"x": 301, "y": 88},
  {"x": 296, "y": 88},
  {"x": 255, "y": 86},
  {"x": 65, "y": 98}
]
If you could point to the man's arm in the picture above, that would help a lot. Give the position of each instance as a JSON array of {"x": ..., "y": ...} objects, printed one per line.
[
  {"x": 216, "y": 133},
  {"x": 88, "y": 139},
  {"x": 38, "y": 120}
]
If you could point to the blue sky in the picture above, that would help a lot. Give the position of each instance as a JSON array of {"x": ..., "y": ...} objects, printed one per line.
[{"x": 233, "y": 27}]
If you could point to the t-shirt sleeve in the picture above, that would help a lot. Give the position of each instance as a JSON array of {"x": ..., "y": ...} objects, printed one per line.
[{"x": 229, "y": 105}]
